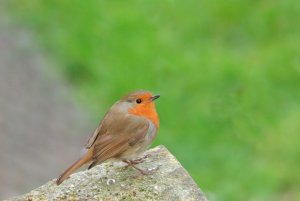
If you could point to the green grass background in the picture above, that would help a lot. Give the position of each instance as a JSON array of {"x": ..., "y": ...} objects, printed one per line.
[{"x": 228, "y": 73}]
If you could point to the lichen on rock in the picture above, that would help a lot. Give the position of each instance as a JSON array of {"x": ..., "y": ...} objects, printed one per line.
[{"x": 116, "y": 181}]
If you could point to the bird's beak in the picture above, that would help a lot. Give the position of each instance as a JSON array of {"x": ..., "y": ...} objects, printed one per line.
[{"x": 154, "y": 97}]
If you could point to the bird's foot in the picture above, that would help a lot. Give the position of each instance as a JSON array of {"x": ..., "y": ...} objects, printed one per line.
[
  {"x": 139, "y": 160},
  {"x": 144, "y": 172}
]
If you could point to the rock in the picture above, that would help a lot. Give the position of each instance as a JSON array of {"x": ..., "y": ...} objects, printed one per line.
[{"x": 115, "y": 181}]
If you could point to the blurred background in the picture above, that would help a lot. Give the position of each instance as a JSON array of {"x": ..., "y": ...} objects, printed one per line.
[{"x": 228, "y": 73}]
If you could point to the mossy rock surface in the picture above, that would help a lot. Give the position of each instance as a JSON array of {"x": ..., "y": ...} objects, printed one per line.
[{"x": 115, "y": 181}]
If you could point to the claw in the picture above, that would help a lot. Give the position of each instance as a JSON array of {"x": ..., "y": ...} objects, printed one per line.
[
  {"x": 144, "y": 172},
  {"x": 139, "y": 160}
]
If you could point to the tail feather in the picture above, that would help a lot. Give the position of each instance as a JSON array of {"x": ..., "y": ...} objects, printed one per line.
[{"x": 81, "y": 161}]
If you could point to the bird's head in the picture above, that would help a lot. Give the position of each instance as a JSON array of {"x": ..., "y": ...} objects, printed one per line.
[{"x": 141, "y": 103}]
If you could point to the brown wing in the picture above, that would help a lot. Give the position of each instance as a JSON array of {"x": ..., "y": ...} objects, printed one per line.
[
  {"x": 93, "y": 137},
  {"x": 117, "y": 132}
]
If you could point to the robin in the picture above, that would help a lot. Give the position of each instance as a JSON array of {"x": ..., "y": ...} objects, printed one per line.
[{"x": 127, "y": 130}]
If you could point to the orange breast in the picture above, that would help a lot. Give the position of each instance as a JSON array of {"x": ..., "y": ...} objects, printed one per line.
[{"x": 146, "y": 110}]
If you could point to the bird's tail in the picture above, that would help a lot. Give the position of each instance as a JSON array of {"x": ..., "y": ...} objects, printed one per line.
[{"x": 81, "y": 161}]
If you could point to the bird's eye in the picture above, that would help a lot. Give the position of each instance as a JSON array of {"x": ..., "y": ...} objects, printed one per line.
[{"x": 138, "y": 101}]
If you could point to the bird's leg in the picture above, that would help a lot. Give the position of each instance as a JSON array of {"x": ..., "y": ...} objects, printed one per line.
[
  {"x": 144, "y": 172},
  {"x": 139, "y": 160}
]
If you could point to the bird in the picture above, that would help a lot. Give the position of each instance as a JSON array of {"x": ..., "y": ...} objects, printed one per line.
[{"x": 127, "y": 129}]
